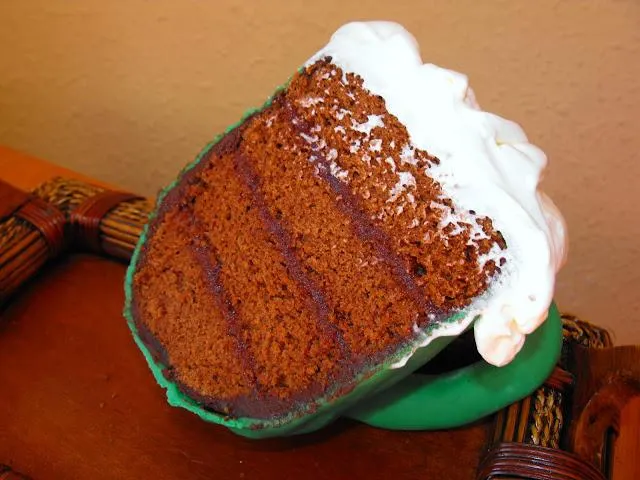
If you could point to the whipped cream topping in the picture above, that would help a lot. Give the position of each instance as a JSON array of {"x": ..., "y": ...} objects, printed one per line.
[{"x": 487, "y": 165}]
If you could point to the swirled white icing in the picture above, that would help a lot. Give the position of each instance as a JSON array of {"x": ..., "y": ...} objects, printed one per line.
[{"x": 487, "y": 165}]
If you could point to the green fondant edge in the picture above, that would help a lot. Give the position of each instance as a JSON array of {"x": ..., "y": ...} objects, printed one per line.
[{"x": 367, "y": 382}]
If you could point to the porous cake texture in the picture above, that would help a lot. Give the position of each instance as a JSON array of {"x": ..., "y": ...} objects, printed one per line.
[{"x": 307, "y": 246}]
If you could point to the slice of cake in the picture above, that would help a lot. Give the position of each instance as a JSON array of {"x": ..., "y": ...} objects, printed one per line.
[{"x": 368, "y": 204}]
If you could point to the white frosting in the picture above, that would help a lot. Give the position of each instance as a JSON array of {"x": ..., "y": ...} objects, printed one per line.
[{"x": 486, "y": 165}]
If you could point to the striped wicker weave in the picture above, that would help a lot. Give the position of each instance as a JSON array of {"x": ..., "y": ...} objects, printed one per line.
[{"x": 71, "y": 206}]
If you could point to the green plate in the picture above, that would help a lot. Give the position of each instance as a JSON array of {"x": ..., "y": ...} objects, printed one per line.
[{"x": 428, "y": 402}]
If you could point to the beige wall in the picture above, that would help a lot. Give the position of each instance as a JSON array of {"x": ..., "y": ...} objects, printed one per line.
[{"x": 129, "y": 91}]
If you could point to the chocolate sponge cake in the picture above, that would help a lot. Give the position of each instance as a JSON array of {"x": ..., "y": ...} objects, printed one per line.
[{"x": 305, "y": 247}]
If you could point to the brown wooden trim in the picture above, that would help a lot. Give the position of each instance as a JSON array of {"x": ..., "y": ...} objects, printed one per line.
[
  {"x": 606, "y": 381},
  {"x": 517, "y": 460},
  {"x": 48, "y": 220},
  {"x": 85, "y": 219},
  {"x": 560, "y": 379}
]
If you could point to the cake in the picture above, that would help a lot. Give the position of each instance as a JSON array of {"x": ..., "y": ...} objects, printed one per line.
[{"x": 368, "y": 204}]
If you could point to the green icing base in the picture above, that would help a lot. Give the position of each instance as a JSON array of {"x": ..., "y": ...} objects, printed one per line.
[{"x": 313, "y": 417}]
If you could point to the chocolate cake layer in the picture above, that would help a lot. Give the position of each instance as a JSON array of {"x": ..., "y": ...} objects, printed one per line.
[{"x": 305, "y": 248}]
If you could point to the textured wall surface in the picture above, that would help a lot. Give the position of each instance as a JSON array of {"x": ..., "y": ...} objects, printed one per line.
[{"x": 130, "y": 91}]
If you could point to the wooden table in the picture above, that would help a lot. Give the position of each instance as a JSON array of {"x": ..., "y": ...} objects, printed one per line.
[{"x": 79, "y": 402}]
